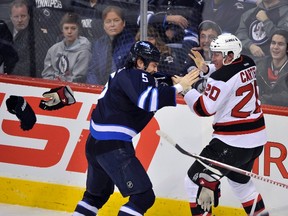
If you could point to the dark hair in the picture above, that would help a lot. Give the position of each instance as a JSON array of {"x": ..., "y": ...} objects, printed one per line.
[
  {"x": 160, "y": 44},
  {"x": 71, "y": 18},
  {"x": 115, "y": 9},
  {"x": 283, "y": 33},
  {"x": 208, "y": 24}
]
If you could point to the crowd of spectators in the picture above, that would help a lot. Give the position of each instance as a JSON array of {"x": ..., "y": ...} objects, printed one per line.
[{"x": 86, "y": 40}]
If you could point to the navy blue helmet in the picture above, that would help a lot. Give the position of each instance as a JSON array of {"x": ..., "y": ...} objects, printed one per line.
[{"x": 144, "y": 50}]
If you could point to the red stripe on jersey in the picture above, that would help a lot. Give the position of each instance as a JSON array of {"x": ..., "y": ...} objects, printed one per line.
[{"x": 200, "y": 108}]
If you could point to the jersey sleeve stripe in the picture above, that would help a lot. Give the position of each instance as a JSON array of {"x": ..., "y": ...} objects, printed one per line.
[
  {"x": 154, "y": 100},
  {"x": 200, "y": 108}
]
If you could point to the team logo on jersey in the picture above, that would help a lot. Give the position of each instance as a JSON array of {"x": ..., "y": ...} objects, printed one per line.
[
  {"x": 46, "y": 12},
  {"x": 63, "y": 65},
  {"x": 257, "y": 32}
]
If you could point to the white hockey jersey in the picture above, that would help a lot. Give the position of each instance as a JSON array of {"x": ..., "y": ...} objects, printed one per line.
[{"x": 231, "y": 95}]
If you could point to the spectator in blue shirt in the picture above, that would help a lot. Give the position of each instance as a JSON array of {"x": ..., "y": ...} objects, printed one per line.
[{"x": 110, "y": 51}]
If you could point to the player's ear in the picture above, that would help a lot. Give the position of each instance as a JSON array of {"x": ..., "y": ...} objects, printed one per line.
[{"x": 229, "y": 57}]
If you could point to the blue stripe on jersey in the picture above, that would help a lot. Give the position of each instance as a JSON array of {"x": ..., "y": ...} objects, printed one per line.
[
  {"x": 111, "y": 132},
  {"x": 151, "y": 93},
  {"x": 154, "y": 100},
  {"x": 143, "y": 97}
]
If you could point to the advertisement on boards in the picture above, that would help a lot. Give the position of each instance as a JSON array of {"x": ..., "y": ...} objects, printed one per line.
[{"x": 53, "y": 151}]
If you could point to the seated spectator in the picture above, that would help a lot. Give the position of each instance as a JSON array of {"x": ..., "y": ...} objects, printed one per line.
[
  {"x": 208, "y": 31},
  {"x": 259, "y": 23},
  {"x": 23, "y": 38},
  {"x": 226, "y": 13},
  {"x": 46, "y": 15},
  {"x": 131, "y": 9},
  {"x": 90, "y": 12},
  {"x": 8, "y": 55},
  {"x": 68, "y": 60},
  {"x": 177, "y": 23},
  {"x": 110, "y": 51},
  {"x": 168, "y": 63},
  {"x": 272, "y": 76}
]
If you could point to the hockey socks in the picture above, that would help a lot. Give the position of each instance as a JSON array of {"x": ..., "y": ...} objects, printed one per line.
[
  {"x": 128, "y": 211},
  {"x": 255, "y": 206},
  {"x": 86, "y": 209}
]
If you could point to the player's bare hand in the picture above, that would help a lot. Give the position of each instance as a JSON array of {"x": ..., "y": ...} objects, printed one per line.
[
  {"x": 190, "y": 78},
  {"x": 176, "y": 79},
  {"x": 199, "y": 60}
]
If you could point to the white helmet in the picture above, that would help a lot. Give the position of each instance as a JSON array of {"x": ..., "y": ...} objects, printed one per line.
[{"x": 226, "y": 43}]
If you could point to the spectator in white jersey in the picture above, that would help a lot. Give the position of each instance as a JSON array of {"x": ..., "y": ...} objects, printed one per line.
[
  {"x": 239, "y": 136},
  {"x": 127, "y": 104}
]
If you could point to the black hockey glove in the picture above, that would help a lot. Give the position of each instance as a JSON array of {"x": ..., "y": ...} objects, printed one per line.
[
  {"x": 200, "y": 85},
  {"x": 163, "y": 79},
  {"x": 57, "y": 98},
  {"x": 18, "y": 106}
]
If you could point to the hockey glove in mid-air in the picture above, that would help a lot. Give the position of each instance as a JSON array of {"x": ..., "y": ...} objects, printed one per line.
[
  {"x": 163, "y": 79},
  {"x": 18, "y": 106},
  {"x": 57, "y": 98},
  {"x": 208, "y": 192}
]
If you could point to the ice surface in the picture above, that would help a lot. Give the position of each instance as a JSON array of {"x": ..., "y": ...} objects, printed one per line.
[{"x": 13, "y": 210}]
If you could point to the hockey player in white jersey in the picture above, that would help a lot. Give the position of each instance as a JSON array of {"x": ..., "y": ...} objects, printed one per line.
[
  {"x": 231, "y": 95},
  {"x": 127, "y": 104}
]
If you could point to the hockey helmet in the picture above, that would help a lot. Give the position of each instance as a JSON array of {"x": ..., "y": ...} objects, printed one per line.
[
  {"x": 144, "y": 50},
  {"x": 226, "y": 43}
]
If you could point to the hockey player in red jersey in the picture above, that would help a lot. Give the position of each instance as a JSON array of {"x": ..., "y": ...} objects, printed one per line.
[{"x": 231, "y": 95}]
